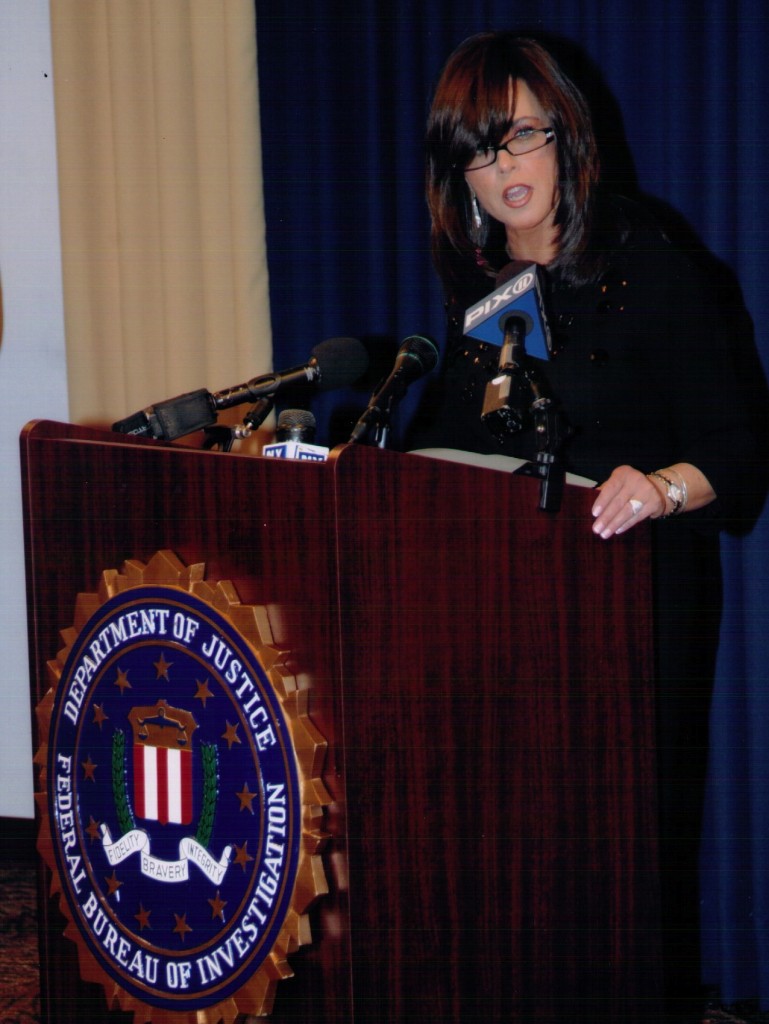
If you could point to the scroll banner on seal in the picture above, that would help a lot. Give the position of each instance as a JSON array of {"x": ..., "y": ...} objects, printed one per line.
[{"x": 137, "y": 841}]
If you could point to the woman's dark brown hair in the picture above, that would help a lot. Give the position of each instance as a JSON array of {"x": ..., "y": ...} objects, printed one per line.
[{"x": 471, "y": 110}]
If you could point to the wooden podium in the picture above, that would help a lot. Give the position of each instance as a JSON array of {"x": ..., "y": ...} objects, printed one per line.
[{"x": 482, "y": 672}]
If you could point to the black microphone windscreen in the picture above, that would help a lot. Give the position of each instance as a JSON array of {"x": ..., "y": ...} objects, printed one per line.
[
  {"x": 295, "y": 418},
  {"x": 295, "y": 425},
  {"x": 421, "y": 349},
  {"x": 341, "y": 361}
]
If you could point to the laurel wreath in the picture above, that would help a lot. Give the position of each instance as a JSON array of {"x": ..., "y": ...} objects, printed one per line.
[
  {"x": 123, "y": 810},
  {"x": 206, "y": 821},
  {"x": 119, "y": 787},
  {"x": 257, "y": 993}
]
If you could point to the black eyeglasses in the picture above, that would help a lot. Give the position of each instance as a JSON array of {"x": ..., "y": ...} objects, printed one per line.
[{"x": 526, "y": 140}]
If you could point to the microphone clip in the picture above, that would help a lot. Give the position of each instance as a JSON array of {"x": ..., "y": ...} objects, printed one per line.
[
  {"x": 375, "y": 424},
  {"x": 516, "y": 397},
  {"x": 514, "y": 392}
]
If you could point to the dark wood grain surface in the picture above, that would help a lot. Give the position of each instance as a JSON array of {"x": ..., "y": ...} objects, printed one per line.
[
  {"x": 499, "y": 751},
  {"x": 94, "y": 500},
  {"x": 482, "y": 671}
]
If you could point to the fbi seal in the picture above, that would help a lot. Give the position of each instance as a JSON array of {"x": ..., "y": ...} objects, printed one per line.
[{"x": 180, "y": 795}]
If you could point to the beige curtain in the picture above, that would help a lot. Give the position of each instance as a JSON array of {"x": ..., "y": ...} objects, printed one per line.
[{"x": 164, "y": 265}]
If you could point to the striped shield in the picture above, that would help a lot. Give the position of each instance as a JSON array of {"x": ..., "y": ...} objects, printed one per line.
[{"x": 162, "y": 763}]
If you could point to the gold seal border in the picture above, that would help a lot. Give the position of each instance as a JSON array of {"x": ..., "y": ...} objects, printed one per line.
[{"x": 257, "y": 995}]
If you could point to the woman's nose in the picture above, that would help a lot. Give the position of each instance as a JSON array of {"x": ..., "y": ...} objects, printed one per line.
[{"x": 505, "y": 161}]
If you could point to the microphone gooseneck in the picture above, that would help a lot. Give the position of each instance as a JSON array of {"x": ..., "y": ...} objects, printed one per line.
[
  {"x": 333, "y": 364},
  {"x": 416, "y": 357}
]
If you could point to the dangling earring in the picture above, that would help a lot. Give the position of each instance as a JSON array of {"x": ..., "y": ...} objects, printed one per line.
[{"x": 477, "y": 222}]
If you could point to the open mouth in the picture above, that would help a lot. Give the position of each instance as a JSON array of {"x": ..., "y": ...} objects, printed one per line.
[{"x": 517, "y": 194}]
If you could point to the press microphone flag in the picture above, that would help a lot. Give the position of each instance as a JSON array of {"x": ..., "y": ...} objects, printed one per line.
[
  {"x": 519, "y": 292},
  {"x": 333, "y": 364}
]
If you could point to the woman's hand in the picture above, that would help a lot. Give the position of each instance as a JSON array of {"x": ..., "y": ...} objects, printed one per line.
[
  {"x": 625, "y": 500},
  {"x": 628, "y": 496}
]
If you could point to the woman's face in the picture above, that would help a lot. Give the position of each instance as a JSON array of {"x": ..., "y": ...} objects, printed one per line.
[{"x": 521, "y": 192}]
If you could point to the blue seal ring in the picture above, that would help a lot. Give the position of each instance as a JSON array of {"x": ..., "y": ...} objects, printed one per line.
[{"x": 174, "y": 799}]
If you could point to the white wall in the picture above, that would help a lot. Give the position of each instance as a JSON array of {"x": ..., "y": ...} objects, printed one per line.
[{"x": 32, "y": 357}]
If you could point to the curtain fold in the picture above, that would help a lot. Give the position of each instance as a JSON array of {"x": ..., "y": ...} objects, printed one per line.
[{"x": 164, "y": 265}]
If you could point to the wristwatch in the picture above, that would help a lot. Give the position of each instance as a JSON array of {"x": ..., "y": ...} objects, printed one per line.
[{"x": 673, "y": 492}]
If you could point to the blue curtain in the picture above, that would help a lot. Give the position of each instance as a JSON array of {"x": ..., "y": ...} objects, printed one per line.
[{"x": 681, "y": 93}]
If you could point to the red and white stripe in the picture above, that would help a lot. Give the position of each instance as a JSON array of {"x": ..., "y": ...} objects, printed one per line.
[{"x": 163, "y": 784}]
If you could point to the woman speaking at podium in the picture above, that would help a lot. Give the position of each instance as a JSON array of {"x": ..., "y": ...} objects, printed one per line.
[{"x": 640, "y": 368}]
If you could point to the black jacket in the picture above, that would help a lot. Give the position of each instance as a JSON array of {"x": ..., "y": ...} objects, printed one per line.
[{"x": 643, "y": 372}]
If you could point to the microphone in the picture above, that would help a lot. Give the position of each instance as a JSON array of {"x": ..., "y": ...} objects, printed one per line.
[
  {"x": 416, "y": 357},
  {"x": 296, "y": 425},
  {"x": 518, "y": 391},
  {"x": 294, "y": 435},
  {"x": 508, "y": 396},
  {"x": 333, "y": 364},
  {"x": 518, "y": 293}
]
